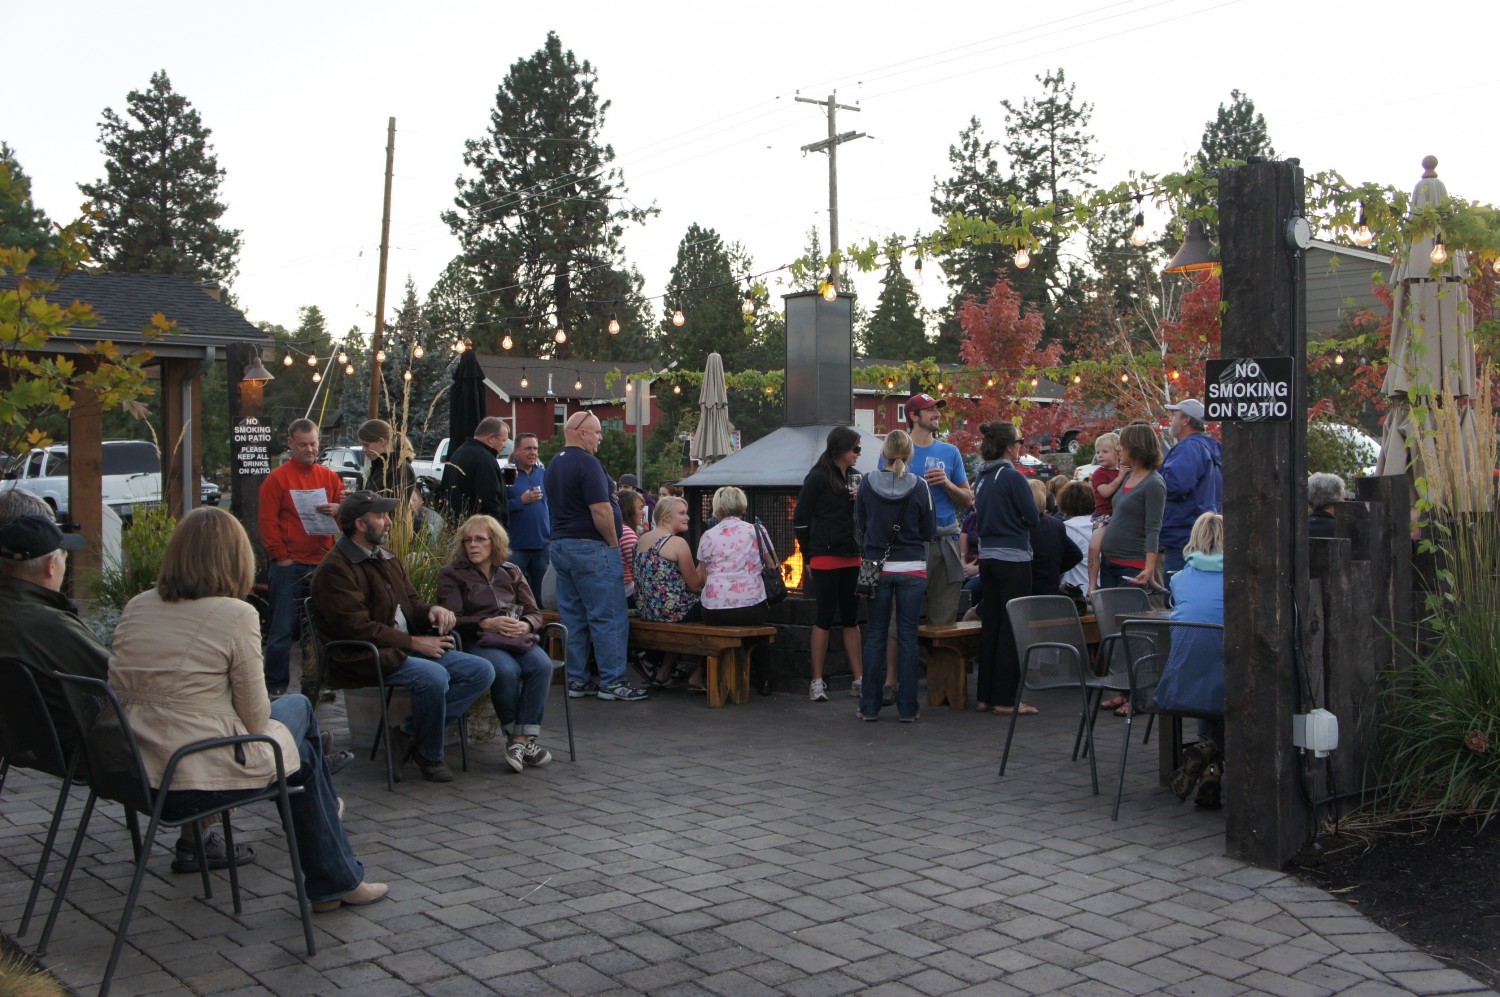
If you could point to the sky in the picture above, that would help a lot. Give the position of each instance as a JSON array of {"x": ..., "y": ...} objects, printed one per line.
[{"x": 703, "y": 117}]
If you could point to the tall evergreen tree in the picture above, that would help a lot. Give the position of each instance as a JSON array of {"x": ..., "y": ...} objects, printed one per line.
[
  {"x": 159, "y": 197},
  {"x": 1238, "y": 131},
  {"x": 288, "y": 395},
  {"x": 419, "y": 406},
  {"x": 896, "y": 331},
  {"x": 541, "y": 214},
  {"x": 22, "y": 224},
  {"x": 450, "y": 309},
  {"x": 704, "y": 285}
]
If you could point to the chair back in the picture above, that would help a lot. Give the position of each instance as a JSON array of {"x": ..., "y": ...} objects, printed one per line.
[
  {"x": 1110, "y": 606},
  {"x": 1048, "y": 619},
  {"x": 28, "y": 734},
  {"x": 1151, "y": 644},
  {"x": 116, "y": 771}
]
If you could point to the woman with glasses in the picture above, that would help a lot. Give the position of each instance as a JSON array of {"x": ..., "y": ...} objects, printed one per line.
[
  {"x": 498, "y": 619},
  {"x": 824, "y": 524}
]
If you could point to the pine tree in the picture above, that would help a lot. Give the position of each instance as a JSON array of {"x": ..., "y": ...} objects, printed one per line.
[
  {"x": 541, "y": 214},
  {"x": 1051, "y": 160},
  {"x": 1238, "y": 131},
  {"x": 896, "y": 331},
  {"x": 704, "y": 285},
  {"x": 159, "y": 196},
  {"x": 419, "y": 406},
  {"x": 22, "y": 224},
  {"x": 450, "y": 307}
]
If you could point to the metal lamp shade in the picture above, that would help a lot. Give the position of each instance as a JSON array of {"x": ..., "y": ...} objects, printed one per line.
[{"x": 1196, "y": 252}]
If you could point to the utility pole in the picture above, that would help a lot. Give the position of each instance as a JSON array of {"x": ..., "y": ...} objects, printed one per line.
[
  {"x": 831, "y": 145},
  {"x": 385, "y": 251}
]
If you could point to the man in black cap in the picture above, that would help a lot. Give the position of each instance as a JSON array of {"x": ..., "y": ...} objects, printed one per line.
[{"x": 361, "y": 592}]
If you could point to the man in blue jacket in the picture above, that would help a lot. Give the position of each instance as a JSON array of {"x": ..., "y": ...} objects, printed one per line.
[{"x": 1193, "y": 471}]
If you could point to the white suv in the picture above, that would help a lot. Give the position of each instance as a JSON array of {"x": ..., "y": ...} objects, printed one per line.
[{"x": 132, "y": 475}]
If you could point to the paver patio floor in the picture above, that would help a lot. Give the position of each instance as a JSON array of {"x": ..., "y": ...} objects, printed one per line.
[{"x": 780, "y": 847}]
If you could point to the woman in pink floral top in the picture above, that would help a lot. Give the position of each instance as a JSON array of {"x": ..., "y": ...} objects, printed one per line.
[{"x": 733, "y": 593}]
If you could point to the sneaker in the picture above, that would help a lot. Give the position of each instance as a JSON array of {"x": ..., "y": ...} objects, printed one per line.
[
  {"x": 1208, "y": 789},
  {"x": 437, "y": 771},
  {"x": 535, "y": 756},
  {"x": 856, "y": 687},
  {"x": 515, "y": 755},
  {"x": 861, "y": 716},
  {"x": 185, "y": 859},
  {"x": 622, "y": 691},
  {"x": 818, "y": 691},
  {"x": 911, "y": 719},
  {"x": 643, "y": 667},
  {"x": 1185, "y": 779},
  {"x": 577, "y": 690},
  {"x": 888, "y": 695}
]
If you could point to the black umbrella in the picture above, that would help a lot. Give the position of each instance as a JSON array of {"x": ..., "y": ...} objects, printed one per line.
[{"x": 466, "y": 402}]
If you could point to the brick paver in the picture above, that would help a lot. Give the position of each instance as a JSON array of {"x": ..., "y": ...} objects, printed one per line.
[{"x": 780, "y": 847}]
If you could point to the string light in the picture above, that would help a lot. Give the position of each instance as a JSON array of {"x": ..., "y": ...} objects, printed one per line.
[
  {"x": 676, "y": 389},
  {"x": 1077, "y": 378},
  {"x": 614, "y": 324},
  {"x": 349, "y": 369},
  {"x": 317, "y": 376},
  {"x": 989, "y": 382},
  {"x": 406, "y": 375},
  {"x": 418, "y": 352},
  {"x": 678, "y": 319},
  {"x": 747, "y": 307},
  {"x": 577, "y": 381},
  {"x": 343, "y": 357},
  {"x": 380, "y": 356},
  {"x": 1338, "y": 358},
  {"x": 1034, "y": 382},
  {"x": 460, "y": 346},
  {"x": 1439, "y": 254},
  {"x": 312, "y": 360},
  {"x": 940, "y": 385},
  {"x": 507, "y": 342},
  {"x": 560, "y": 336},
  {"x": 287, "y": 360},
  {"x": 525, "y": 381},
  {"x": 1176, "y": 374},
  {"x": 1022, "y": 258},
  {"x": 889, "y": 383},
  {"x": 831, "y": 288},
  {"x": 1497, "y": 264},
  {"x": 1363, "y": 237},
  {"x": 1124, "y": 377},
  {"x": 918, "y": 267},
  {"x": 1138, "y": 237}
]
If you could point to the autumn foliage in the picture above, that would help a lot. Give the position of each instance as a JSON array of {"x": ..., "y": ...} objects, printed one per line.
[{"x": 1002, "y": 343}]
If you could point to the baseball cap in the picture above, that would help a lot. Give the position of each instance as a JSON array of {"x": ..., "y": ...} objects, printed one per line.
[
  {"x": 26, "y": 537},
  {"x": 1190, "y": 407},
  {"x": 919, "y": 401},
  {"x": 358, "y": 503}
]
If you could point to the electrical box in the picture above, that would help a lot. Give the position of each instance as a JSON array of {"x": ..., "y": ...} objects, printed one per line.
[{"x": 1317, "y": 731}]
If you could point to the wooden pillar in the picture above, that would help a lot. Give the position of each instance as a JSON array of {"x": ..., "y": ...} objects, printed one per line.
[
  {"x": 177, "y": 374},
  {"x": 86, "y": 484},
  {"x": 1265, "y": 519}
]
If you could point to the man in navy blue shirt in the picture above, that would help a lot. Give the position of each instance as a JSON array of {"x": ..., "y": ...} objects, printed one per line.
[
  {"x": 585, "y": 549},
  {"x": 530, "y": 520}
]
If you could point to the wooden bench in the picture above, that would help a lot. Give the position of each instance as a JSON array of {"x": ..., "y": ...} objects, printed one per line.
[
  {"x": 725, "y": 650},
  {"x": 949, "y": 647}
]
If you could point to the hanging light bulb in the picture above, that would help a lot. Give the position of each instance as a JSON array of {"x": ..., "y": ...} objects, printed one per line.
[
  {"x": 1497, "y": 264},
  {"x": 507, "y": 342},
  {"x": 678, "y": 319},
  {"x": 831, "y": 288},
  {"x": 406, "y": 375},
  {"x": 1034, "y": 382},
  {"x": 1022, "y": 258},
  {"x": 525, "y": 381},
  {"x": 577, "y": 382},
  {"x": 1077, "y": 378},
  {"x": 560, "y": 336},
  {"x": 940, "y": 385},
  {"x": 312, "y": 360},
  {"x": 1363, "y": 237},
  {"x": 349, "y": 369},
  {"x": 889, "y": 383},
  {"x": 989, "y": 382},
  {"x": 460, "y": 346},
  {"x": 747, "y": 306},
  {"x": 317, "y": 377},
  {"x": 1124, "y": 377},
  {"x": 287, "y": 360},
  {"x": 1138, "y": 236},
  {"x": 1176, "y": 374},
  {"x": 418, "y": 352},
  {"x": 1338, "y": 358},
  {"x": 614, "y": 324},
  {"x": 918, "y": 268},
  {"x": 343, "y": 356},
  {"x": 1439, "y": 253},
  {"x": 380, "y": 356},
  {"x": 676, "y": 389}
]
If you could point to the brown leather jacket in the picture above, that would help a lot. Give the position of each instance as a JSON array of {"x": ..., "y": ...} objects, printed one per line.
[
  {"x": 355, "y": 593},
  {"x": 473, "y": 597}
]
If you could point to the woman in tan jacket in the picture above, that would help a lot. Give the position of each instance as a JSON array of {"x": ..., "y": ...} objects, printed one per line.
[{"x": 187, "y": 666}]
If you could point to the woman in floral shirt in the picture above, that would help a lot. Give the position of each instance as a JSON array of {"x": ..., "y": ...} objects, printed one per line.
[{"x": 733, "y": 593}]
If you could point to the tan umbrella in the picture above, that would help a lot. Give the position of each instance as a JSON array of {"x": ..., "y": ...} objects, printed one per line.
[
  {"x": 1432, "y": 346},
  {"x": 713, "y": 440}
]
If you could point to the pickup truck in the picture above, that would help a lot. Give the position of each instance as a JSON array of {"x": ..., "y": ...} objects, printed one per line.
[
  {"x": 432, "y": 469},
  {"x": 132, "y": 476}
]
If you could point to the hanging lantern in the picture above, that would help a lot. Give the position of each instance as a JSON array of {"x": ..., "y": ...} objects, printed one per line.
[
  {"x": 831, "y": 288},
  {"x": 1195, "y": 254},
  {"x": 1176, "y": 374},
  {"x": 1124, "y": 377},
  {"x": 989, "y": 382}
]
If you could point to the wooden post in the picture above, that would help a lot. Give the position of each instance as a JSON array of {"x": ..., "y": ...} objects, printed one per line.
[
  {"x": 86, "y": 484},
  {"x": 175, "y": 374},
  {"x": 377, "y": 336},
  {"x": 1265, "y": 518}
]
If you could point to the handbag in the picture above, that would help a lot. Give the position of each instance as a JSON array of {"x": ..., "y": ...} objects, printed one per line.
[
  {"x": 770, "y": 568},
  {"x": 516, "y": 644},
  {"x": 871, "y": 569}
]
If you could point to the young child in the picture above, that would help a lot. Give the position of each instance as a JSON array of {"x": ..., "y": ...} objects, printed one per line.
[{"x": 1106, "y": 481}]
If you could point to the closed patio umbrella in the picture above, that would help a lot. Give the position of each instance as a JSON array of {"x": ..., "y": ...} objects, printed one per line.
[
  {"x": 466, "y": 402},
  {"x": 713, "y": 440}
]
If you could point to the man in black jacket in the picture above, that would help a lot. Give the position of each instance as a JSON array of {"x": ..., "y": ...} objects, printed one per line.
[{"x": 471, "y": 477}]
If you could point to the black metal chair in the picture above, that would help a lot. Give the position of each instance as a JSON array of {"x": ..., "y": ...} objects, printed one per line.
[
  {"x": 560, "y": 663},
  {"x": 117, "y": 772},
  {"x": 385, "y": 693},
  {"x": 1148, "y": 645},
  {"x": 30, "y": 740}
]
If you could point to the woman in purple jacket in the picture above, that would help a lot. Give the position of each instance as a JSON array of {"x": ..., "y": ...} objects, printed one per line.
[{"x": 1006, "y": 513}]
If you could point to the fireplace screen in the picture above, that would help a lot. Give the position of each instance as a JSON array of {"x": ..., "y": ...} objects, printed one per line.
[{"x": 774, "y": 508}]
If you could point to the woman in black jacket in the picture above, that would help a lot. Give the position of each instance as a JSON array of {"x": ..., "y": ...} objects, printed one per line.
[{"x": 824, "y": 523}]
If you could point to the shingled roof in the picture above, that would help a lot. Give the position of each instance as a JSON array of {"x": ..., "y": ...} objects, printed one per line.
[{"x": 125, "y": 302}]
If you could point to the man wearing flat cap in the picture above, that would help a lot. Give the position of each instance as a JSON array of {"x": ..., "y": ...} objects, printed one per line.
[
  {"x": 1194, "y": 473},
  {"x": 360, "y": 591}
]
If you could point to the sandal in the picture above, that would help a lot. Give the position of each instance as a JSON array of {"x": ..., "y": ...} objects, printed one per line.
[
  {"x": 1113, "y": 704},
  {"x": 1123, "y": 711},
  {"x": 1025, "y": 709}
]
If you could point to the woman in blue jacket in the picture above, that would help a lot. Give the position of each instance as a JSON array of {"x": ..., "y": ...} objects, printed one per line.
[
  {"x": 894, "y": 510},
  {"x": 1006, "y": 512}
]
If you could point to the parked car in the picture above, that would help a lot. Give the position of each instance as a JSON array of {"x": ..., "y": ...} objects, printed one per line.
[
  {"x": 431, "y": 468},
  {"x": 347, "y": 462},
  {"x": 131, "y": 477},
  {"x": 1035, "y": 467}
]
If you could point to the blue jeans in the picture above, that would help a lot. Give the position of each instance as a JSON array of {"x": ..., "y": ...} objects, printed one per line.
[
  {"x": 328, "y": 860},
  {"x": 1173, "y": 560},
  {"x": 288, "y": 587},
  {"x": 441, "y": 692},
  {"x": 905, "y": 592},
  {"x": 533, "y": 564},
  {"x": 519, "y": 694},
  {"x": 591, "y": 604}
]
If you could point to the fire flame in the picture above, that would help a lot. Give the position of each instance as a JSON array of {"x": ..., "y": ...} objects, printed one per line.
[{"x": 791, "y": 569}]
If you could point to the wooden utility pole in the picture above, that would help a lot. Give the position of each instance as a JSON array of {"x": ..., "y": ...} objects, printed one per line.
[
  {"x": 831, "y": 145},
  {"x": 385, "y": 252},
  {"x": 1265, "y": 520}
]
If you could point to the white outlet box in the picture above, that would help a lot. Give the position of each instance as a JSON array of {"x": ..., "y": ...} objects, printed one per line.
[{"x": 1317, "y": 731}]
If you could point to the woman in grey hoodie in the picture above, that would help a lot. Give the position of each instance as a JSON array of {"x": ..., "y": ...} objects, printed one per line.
[{"x": 894, "y": 511}]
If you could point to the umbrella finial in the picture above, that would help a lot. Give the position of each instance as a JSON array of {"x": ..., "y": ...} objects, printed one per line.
[{"x": 1429, "y": 167}]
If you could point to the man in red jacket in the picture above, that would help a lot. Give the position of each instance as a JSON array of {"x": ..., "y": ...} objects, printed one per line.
[{"x": 298, "y": 501}]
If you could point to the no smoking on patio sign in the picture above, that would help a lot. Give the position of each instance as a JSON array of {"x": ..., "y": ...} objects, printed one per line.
[{"x": 1249, "y": 389}]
